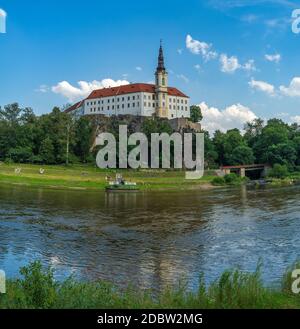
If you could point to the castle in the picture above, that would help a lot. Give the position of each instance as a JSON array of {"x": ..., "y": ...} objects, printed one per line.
[{"x": 138, "y": 99}]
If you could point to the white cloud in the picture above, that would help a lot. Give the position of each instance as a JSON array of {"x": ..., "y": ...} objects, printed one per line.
[
  {"x": 262, "y": 86},
  {"x": 183, "y": 77},
  {"x": 249, "y": 18},
  {"x": 293, "y": 90},
  {"x": 227, "y": 4},
  {"x": 2, "y": 13},
  {"x": 42, "y": 89},
  {"x": 138, "y": 68},
  {"x": 84, "y": 88},
  {"x": 200, "y": 48},
  {"x": 273, "y": 58},
  {"x": 296, "y": 119},
  {"x": 2, "y": 21},
  {"x": 234, "y": 116},
  {"x": 249, "y": 66},
  {"x": 197, "y": 67},
  {"x": 229, "y": 64}
]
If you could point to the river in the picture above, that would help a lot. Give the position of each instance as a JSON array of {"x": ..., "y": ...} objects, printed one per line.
[{"x": 151, "y": 239}]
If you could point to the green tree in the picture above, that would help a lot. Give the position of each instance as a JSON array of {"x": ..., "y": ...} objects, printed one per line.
[
  {"x": 47, "y": 152},
  {"x": 83, "y": 138},
  {"x": 241, "y": 155},
  {"x": 196, "y": 114}
]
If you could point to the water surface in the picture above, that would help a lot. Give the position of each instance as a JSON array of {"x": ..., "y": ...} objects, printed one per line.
[{"x": 150, "y": 238}]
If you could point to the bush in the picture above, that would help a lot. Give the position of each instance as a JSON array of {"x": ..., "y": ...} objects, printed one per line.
[
  {"x": 234, "y": 289},
  {"x": 231, "y": 179},
  {"x": 218, "y": 181},
  {"x": 279, "y": 171}
]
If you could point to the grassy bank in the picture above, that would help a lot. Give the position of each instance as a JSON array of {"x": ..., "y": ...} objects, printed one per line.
[
  {"x": 89, "y": 177},
  {"x": 38, "y": 289}
]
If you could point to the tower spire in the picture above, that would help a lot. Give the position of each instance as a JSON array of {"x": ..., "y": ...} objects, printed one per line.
[{"x": 161, "y": 61}]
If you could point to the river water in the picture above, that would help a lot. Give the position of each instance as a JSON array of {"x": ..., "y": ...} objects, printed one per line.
[{"x": 152, "y": 239}]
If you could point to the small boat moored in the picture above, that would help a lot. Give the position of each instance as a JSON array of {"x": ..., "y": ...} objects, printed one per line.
[{"x": 119, "y": 184}]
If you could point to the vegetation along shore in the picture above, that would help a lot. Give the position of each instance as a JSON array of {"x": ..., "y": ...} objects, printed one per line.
[{"x": 37, "y": 289}]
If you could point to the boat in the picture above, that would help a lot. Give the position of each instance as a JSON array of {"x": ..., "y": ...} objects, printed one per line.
[{"x": 119, "y": 184}]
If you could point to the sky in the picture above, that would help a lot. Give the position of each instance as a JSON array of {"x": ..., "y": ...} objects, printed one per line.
[{"x": 238, "y": 59}]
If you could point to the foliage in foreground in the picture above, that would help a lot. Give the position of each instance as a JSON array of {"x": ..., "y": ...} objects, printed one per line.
[
  {"x": 229, "y": 179},
  {"x": 234, "y": 289}
]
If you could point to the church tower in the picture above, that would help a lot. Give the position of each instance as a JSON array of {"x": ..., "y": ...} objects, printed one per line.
[{"x": 161, "y": 86}]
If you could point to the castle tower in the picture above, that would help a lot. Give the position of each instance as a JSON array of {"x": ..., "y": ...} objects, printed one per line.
[{"x": 161, "y": 86}]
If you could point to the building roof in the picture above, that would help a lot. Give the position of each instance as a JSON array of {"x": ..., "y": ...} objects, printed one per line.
[
  {"x": 122, "y": 90},
  {"x": 132, "y": 88},
  {"x": 74, "y": 107}
]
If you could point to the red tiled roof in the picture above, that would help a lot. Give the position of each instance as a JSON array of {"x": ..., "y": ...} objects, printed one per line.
[
  {"x": 132, "y": 88},
  {"x": 74, "y": 107},
  {"x": 126, "y": 89}
]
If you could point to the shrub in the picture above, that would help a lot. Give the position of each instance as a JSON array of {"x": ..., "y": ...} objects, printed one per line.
[
  {"x": 218, "y": 181},
  {"x": 231, "y": 178},
  {"x": 279, "y": 171}
]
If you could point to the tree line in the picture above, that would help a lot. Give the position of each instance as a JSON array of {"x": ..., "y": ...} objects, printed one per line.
[{"x": 58, "y": 138}]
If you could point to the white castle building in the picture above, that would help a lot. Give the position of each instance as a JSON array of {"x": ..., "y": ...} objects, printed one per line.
[{"x": 139, "y": 99}]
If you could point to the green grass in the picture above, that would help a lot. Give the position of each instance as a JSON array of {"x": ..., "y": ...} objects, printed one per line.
[
  {"x": 89, "y": 177},
  {"x": 233, "y": 290}
]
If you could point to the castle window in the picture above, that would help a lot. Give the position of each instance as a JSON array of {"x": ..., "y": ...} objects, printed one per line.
[
  {"x": 118, "y": 106},
  {"x": 133, "y": 104},
  {"x": 113, "y": 107},
  {"x": 145, "y": 104},
  {"x": 128, "y": 105},
  {"x": 122, "y": 106},
  {"x": 149, "y": 104},
  {"x": 153, "y": 96},
  {"x": 98, "y": 102},
  {"x": 153, "y": 104},
  {"x": 128, "y": 98},
  {"x": 133, "y": 97},
  {"x": 163, "y": 81},
  {"x": 123, "y": 99},
  {"x": 118, "y": 99}
]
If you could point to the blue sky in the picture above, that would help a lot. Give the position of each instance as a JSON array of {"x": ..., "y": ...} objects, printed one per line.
[{"x": 238, "y": 58}]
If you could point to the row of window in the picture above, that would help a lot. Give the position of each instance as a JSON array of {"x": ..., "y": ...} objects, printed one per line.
[
  {"x": 114, "y": 107},
  {"x": 134, "y": 97},
  {"x": 112, "y": 100}
]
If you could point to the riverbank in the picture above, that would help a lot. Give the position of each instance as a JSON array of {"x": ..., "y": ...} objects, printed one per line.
[
  {"x": 92, "y": 178},
  {"x": 233, "y": 290}
]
